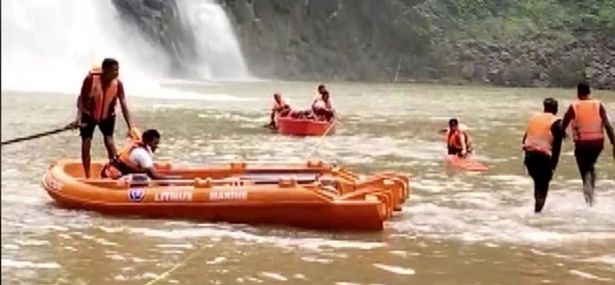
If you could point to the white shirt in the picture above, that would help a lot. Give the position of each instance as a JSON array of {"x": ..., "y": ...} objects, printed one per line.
[{"x": 140, "y": 156}]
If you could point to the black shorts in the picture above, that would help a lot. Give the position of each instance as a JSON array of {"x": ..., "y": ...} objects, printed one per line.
[
  {"x": 106, "y": 126},
  {"x": 587, "y": 155}
]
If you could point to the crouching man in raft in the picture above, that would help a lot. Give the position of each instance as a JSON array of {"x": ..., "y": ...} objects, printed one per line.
[{"x": 136, "y": 157}]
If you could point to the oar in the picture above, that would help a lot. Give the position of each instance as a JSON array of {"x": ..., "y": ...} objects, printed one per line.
[{"x": 43, "y": 134}]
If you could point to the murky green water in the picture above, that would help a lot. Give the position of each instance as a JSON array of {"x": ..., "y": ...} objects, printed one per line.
[{"x": 457, "y": 227}]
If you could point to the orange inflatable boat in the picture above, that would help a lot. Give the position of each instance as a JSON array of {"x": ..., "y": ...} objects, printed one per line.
[{"x": 311, "y": 195}]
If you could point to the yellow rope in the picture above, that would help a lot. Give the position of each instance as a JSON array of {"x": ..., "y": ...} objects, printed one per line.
[
  {"x": 336, "y": 121},
  {"x": 168, "y": 272}
]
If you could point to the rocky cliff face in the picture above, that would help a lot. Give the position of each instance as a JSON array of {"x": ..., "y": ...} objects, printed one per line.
[
  {"x": 537, "y": 61},
  {"x": 325, "y": 39},
  {"x": 385, "y": 40}
]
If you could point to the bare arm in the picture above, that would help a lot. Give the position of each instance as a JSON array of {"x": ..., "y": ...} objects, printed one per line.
[
  {"x": 558, "y": 136},
  {"x": 151, "y": 172},
  {"x": 568, "y": 117},
  {"x": 607, "y": 124},
  {"x": 124, "y": 105},
  {"x": 81, "y": 108},
  {"x": 464, "y": 143}
]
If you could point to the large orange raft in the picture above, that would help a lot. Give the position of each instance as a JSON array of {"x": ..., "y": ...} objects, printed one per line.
[{"x": 310, "y": 195}]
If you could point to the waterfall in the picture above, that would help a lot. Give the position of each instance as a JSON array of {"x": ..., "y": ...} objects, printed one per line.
[
  {"x": 50, "y": 45},
  {"x": 218, "y": 55}
]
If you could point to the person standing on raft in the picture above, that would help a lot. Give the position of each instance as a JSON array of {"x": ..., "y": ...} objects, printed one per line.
[
  {"x": 589, "y": 120},
  {"x": 542, "y": 144},
  {"x": 96, "y": 104}
]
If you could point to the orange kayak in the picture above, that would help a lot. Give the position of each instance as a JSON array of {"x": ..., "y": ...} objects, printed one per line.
[
  {"x": 466, "y": 163},
  {"x": 311, "y": 195},
  {"x": 304, "y": 127}
]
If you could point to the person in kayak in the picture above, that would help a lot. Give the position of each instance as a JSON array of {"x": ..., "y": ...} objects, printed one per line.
[
  {"x": 542, "y": 145},
  {"x": 323, "y": 107},
  {"x": 589, "y": 120},
  {"x": 457, "y": 140},
  {"x": 136, "y": 157},
  {"x": 280, "y": 107},
  {"x": 100, "y": 91}
]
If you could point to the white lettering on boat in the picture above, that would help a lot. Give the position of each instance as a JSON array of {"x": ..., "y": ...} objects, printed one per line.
[
  {"x": 173, "y": 196},
  {"x": 228, "y": 195}
]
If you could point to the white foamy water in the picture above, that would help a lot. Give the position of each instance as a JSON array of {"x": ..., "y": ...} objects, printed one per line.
[
  {"x": 212, "y": 232},
  {"x": 49, "y": 46},
  {"x": 28, "y": 264},
  {"x": 218, "y": 53}
]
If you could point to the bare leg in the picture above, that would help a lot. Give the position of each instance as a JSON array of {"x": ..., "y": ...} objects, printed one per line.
[
  {"x": 86, "y": 144},
  {"x": 110, "y": 146}
]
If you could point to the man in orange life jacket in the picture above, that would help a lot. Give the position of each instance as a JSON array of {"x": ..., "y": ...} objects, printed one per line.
[
  {"x": 589, "y": 118},
  {"x": 542, "y": 144},
  {"x": 100, "y": 92},
  {"x": 279, "y": 107},
  {"x": 458, "y": 141},
  {"x": 136, "y": 157}
]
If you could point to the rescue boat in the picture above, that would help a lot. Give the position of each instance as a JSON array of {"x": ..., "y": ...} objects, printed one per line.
[
  {"x": 311, "y": 195},
  {"x": 304, "y": 127}
]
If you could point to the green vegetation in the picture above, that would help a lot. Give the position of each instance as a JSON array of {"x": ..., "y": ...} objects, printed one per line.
[{"x": 504, "y": 20}]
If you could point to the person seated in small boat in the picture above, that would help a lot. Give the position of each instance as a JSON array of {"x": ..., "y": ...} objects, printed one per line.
[
  {"x": 320, "y": 90},
  {"x": 280, "y": 107},
  {"x": 323, "y": 107},
  {"x": 457, "y": 140},
  {"x": 136, "y": 157}
]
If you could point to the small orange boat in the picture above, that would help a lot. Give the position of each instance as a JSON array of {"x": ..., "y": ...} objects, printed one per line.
[
  {"x": 466, "y": 163},
  {"x": 311, "y": 195},
  {"x": 304, "y": 127}
]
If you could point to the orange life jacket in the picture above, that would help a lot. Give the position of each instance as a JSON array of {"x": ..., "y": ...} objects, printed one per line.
[
  {"x": 123, "y": 165},
  {"x": 587, "y": 124},
  {"x": 454, "y": 140},
  {"x": 539, "y": 137},
  {"x": 104, "y": 102}
]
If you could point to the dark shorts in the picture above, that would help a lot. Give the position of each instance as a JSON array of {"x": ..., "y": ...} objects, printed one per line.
[
  {"x": 106, "y": 126},
  {"x": 539, "y": 166},
  {"x": 587, "y": 154}
]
